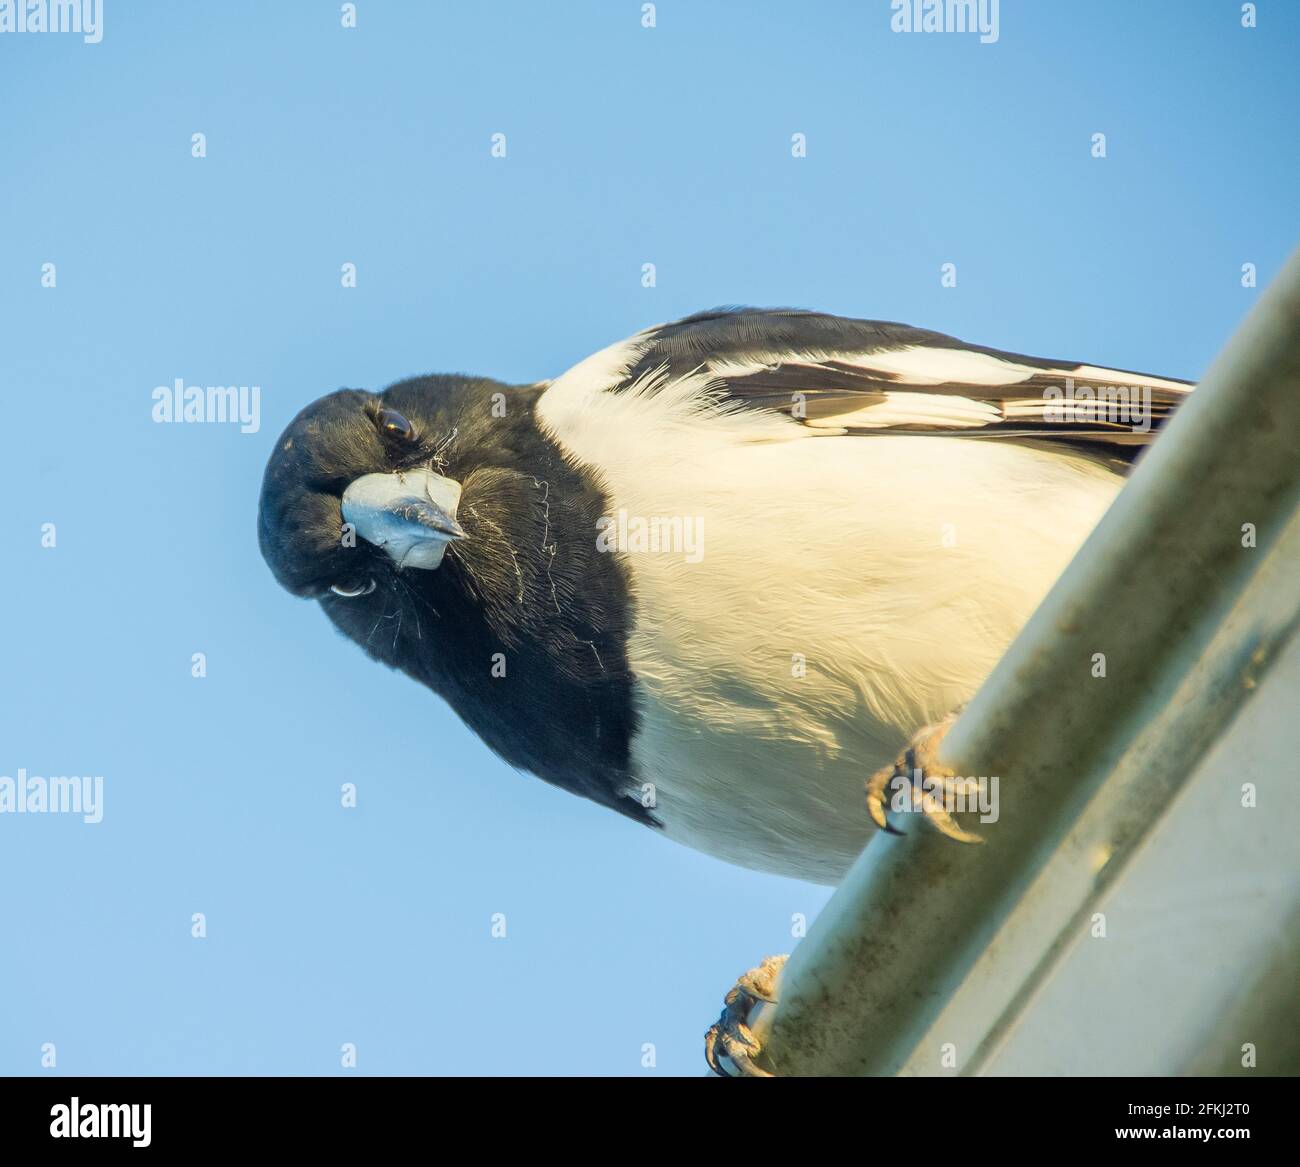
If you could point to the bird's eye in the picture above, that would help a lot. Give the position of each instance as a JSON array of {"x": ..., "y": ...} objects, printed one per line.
[
  {"x": 393, "y": 425},
  {"x": 363, "y": 589}
]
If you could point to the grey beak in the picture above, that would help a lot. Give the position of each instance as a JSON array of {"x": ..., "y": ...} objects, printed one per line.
[{"x": 410, "y": 514}]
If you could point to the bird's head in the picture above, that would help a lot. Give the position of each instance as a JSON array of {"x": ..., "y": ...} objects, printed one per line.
[
  {"x": 361, "y": 486},
  {"x": 437, "y": 524},
  {"x": 441, "y": 528}
]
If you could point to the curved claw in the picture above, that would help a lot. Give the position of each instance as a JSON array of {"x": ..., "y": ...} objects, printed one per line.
[
  {"x": 945, "y": 824},
  {"x": 877, "y": 784},
  {"x": 711, "y": 1050}
]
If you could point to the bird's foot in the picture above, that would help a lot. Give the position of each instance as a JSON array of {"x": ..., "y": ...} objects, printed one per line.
[
  {"x": 730, "y": 1037},
  {"x": 923, "y": 783}
]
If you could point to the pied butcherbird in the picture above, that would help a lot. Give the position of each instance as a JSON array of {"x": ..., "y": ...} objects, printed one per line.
[{"x": 718, "y": 573}]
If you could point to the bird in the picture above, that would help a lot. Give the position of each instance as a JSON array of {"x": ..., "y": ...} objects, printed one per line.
[{"x": 715, "y": 574}]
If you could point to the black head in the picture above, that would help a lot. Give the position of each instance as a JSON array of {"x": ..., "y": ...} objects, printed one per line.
[
  {"x": 438, "y": 487},
  {"x": 375, "y": 456}
]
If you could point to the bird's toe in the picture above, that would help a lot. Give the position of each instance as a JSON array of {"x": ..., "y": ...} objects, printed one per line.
[{"x": 730, "y": 1048}]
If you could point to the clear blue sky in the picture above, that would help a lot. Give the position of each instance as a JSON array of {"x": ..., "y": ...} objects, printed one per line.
[{"x": 626, "y": 146}]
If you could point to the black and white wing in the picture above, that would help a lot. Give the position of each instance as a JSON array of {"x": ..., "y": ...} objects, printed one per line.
[{"x": 867, "y": 377}]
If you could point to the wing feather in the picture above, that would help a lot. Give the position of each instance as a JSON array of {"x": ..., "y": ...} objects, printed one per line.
[{"x": 847, "y": 376}]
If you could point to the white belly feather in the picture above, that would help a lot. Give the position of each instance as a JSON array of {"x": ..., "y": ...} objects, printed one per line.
[{"x": 849, "y": 590}]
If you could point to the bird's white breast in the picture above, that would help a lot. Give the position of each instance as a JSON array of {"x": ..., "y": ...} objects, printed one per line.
[{"x": 847, "y": 590}]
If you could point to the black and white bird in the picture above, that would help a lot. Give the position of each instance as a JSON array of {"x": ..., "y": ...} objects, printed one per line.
[{"x": 717, "y": 574}]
